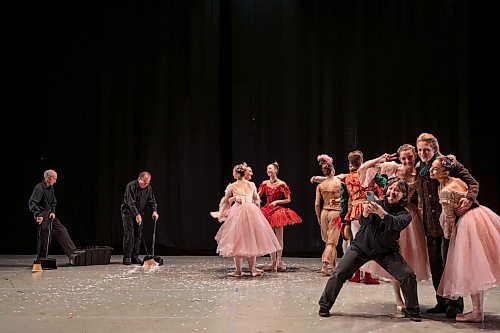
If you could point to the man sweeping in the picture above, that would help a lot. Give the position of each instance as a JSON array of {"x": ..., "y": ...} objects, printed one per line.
[
  {"x": 42, "y": 204},
  {"x": 138, "y": 193}
]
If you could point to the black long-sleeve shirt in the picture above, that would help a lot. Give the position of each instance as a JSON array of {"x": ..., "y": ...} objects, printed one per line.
[
  {"x": 136, "y": 198},
  {"x": 378, "y": 236},
  {"x": 42, "y": 199}
]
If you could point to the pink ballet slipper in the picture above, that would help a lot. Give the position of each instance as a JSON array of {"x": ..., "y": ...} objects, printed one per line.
[{"x": 474, "y": 316}]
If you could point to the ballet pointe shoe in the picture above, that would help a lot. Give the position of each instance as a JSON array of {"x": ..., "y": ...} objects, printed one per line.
[
  {"x": 236, "y": 274},
  {"x": 281, "y": 267},
  {"x": 356, "y": 277},
  {"x": 474, "y": 316},
  {"x": 368, "y": 279},
  {"x": 324, "y": 269},
  {"x": 256, "y": 273},
  {"x": 271, "y": 267}
]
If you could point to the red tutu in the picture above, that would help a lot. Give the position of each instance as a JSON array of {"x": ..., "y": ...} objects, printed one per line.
[{"x": 277, "y": 216}]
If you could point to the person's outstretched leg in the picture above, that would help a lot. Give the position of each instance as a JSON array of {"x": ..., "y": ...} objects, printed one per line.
[
  {"x": 349, "y": 263},
  {"x": 62, "y": 236}
]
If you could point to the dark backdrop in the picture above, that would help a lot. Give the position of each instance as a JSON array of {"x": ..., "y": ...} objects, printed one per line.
[{"x": 187, "y": 89}]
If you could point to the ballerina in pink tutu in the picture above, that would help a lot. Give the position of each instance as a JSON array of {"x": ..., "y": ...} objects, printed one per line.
[
  {"x": 251, "y": 260},
  {"x": 245, "y": 232},
  {"x": 413, "y": 247},
  {"x": 277, "y": 193},
  {"x": 472, "y": 265}
]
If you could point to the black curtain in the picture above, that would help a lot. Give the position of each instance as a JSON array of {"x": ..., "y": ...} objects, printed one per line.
[{"x": 187, "y": 89}]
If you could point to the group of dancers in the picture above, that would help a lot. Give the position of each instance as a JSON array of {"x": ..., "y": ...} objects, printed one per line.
[
  {"x": 406, "y": 222},
  {"x": 250, "y": 231},
  {"x": 424, "y": 222}
]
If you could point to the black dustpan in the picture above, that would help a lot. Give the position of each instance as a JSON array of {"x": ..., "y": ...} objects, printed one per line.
[{"x": 48, "y": 263}]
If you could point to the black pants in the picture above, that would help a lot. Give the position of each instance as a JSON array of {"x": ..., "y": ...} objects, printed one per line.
[
  {"x": 132, "y": 233},
  {"x": 437, "y": 249},
  {"x": 58, "y": 231},
  {"x": 392, "y": 262}
]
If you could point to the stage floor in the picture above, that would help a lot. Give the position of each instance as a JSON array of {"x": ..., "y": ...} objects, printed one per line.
[{"x": 195, "y": 294}]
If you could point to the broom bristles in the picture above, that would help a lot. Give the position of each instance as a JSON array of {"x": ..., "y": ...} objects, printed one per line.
[
  {"x": 149, "y": 263},
  {"x": 37, "y": 268}
]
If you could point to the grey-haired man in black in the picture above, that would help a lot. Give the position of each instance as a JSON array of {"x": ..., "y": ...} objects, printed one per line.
[
  {"x": 138, "y": 193},
  {"x": 42, "y": 204}
]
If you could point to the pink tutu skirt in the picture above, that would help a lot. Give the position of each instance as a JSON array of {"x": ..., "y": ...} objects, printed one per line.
[
  {"x": 246, "y": 232},
  {"x": 473, "y": 262}
]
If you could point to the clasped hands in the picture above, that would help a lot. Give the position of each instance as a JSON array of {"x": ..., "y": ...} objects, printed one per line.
[
  {"x": 373, "y": 208},
  {"x": 235, "y": 199}
]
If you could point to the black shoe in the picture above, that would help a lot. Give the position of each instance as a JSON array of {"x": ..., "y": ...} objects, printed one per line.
[
  {"x": 439, "y": 308},
  {"x": 414, "y": 316},
  {"x": 324, "y": 312},
  {"x": 452, "y": 313},
  {"x": 136, "y": 261},
  {"x": 127, "y": 261}
]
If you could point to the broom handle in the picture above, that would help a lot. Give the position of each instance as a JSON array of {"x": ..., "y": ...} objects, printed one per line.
[
  {"x": 38, "y": 241},
  {"x": 144, "y": 243},
  {"x": 48, "y": 240},
  {"x": 154, "y": 237}
]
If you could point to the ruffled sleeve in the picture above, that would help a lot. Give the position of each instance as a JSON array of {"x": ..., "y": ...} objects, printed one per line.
[
  {"x": 224, "y": 205},
  {"x": 262, "y": 188},
  {"x": 447, "y": 218},
  {"x": 285, "y": 189}
]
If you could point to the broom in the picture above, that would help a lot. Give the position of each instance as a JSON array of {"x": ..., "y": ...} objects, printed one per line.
[
  {"x": 40, "y": 263},
  {"x": 150, "y": 260},
  {"x": 37, "y": 267},
  {"x": 48, "y": 263}
]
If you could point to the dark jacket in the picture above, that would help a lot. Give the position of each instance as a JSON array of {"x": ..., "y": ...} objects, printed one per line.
[
  {"x": 380, "y": 236},
  {"x": 136, "y": 198},
  {"x": 43, "y": 199}
]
